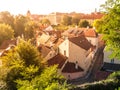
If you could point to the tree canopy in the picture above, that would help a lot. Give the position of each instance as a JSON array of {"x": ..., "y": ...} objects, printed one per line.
[
  {"x": 84, "y": 24},
  {"x": 109, "y": 25},
  {"x": 23, "y": 68},
  {"x": 6, "y": 32},
  {"x": 66, "y": 20},
  {"x": 7, "y": 18}
]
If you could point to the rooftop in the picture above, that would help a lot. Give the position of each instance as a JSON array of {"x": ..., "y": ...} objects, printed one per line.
[
  {"x": 81, "y": 41},
  {"x": 44, "y": 50},
  {"x": 71, "y": 68},
  {"x": 59, "y": 59}
]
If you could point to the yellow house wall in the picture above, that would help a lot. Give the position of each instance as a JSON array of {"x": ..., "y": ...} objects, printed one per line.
[{"x": 64, "y": 47}]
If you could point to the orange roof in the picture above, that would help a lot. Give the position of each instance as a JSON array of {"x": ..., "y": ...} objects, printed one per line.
[
  {"x": 58, "y": 59},
  {"x": 70, "y": 68},
  {"x": 6, "y": 43},
  {"x": 81, "y": 41},
  {"x": 90, "y": 33}
]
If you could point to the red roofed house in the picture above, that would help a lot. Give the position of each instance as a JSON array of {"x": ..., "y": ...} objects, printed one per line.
[
  {"x": 79, "y": 54},
  {"x": 92, "y": 36}
]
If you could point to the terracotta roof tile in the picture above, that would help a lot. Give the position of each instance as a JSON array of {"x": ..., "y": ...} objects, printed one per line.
[
  {"x": 44, "y": 50},
  {"x": 70, "y": 68},
  {"x": 58, "y": 42},
  {"x": 81, "y": 41},
  {"x": 6, "y": 43},
  {"x": 90, "y": 33},
  {"x": 73, "y": 32},
  {"x": 58, "y": 59}
]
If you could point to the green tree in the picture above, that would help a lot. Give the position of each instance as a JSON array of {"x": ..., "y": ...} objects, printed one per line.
[
  {"x": 24, "y": 62},
  {"x": 97, "y": 24},
  {"x": 30, "y": 27},
  {"x": 48, "y": 80},
  {"x": 110, "y": 27},
  {"x": 7, "y": 18},
  {"x": 19, "y": 25},
  {"x": 45, "y": 22},
  {"x": 6, "y": 32},
  {"x": 66, "y": 20},
  {"x": 84, "y": 23},
  {"x": 75, "y": 20},
  {"x": 23, "y": 69}
]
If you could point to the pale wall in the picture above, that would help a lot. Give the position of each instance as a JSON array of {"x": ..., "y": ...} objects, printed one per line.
[
  {"x": 107, "y": 59},
  {"x": 77, "y": 54},
  {"x": 50, "y": 55},
  {"x": 94, "y": 41},
  {"x": 64, "y": 47},
  {"x": 73, "y": 75}
]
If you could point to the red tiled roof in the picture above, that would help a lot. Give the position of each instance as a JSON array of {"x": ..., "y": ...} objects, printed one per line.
[
  {"x": 58, "y": 42},
  {"x": 44, "y": 50},
  {"x": 6, "y": 43},
  {"x": 81, "y": 41},
  {"x": 58, "y": 59},
  {"x": 73, "y": 32},
  {"x": 70, "y": 68},
  {"x": 91, "y": 16},
  {"x": 90, "y": 33}
]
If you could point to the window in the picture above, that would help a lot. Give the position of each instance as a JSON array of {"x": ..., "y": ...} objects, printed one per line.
[
  {"x": 64, "y": 52},
  {"x": 76, "y": 62},
  {"x": 112, "y": 60}
]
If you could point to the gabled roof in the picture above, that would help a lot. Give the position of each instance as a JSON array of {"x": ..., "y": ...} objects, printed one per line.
[
  {"x": 52, "y": 40},
  {"x": 43, "y": 38},
  {"x": 81, "y": 41},
  {"x": 70, "y": 68},
  {"x": 58, "y": 42},
  {"x": 90, "y": 33},
  {"x": 6, "y": 43},
  {"x": 44, "y": 50},
  {"x": 110, "y": 67},
  {"x": 49, "y": 28},
  {"x": 73, "y": 32},
  {"x": 58, "y": 59}
]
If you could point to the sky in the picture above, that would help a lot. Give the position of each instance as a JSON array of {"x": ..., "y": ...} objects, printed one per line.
[{"x": 48, "y": 6}]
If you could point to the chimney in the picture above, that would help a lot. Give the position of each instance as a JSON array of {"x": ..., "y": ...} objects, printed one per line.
[{"x": 76, "y": 65}]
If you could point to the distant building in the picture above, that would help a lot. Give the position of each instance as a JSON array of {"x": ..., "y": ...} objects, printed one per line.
[
  {"x": 107, "y": 58},
  {"x": 56, "y": 17}
]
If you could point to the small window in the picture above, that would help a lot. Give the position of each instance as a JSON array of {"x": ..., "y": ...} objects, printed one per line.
[
  {"x": 64, "y": 52},
  {"x": 76, "y": 62},
  {"x": 112, "y": 60}
]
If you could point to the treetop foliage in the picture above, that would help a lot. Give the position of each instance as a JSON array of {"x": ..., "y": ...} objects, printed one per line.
[
  {"x": 6, "y": 32},
  {"x": 110, "y": 27}
]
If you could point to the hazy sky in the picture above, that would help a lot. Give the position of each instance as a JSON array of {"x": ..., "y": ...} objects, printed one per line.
[{"x": 48, "y": 6}]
